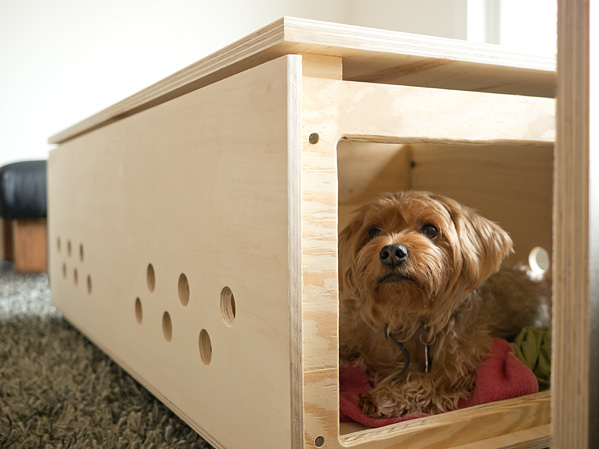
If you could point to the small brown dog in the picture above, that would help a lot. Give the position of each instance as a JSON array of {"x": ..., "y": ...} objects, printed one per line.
[{"x": 419, "y": 304}]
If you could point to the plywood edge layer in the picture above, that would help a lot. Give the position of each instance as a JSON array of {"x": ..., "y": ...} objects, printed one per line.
[
  {"x": 369, "y": 55},
  {"x": 536, "y": 437},
  {"x": 490, "y": 421},
  {"x": 294, "y": 168},
  {"x": 341, "y": 36}
]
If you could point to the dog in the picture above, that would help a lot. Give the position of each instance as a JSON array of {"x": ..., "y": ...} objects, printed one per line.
[{"x": 421, "y": 295}]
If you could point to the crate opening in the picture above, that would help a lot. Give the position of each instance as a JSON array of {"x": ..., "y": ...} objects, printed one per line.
[{"x": 509, "y": 184}]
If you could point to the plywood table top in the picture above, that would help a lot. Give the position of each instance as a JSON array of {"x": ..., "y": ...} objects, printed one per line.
[{"x": 369, "y": 55}]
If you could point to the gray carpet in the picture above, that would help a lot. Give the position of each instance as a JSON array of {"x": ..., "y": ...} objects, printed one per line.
[{"x": 57, "y": 390}]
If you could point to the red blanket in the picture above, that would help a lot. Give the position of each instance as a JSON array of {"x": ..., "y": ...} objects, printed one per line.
[{"x": 502, "y": 376}]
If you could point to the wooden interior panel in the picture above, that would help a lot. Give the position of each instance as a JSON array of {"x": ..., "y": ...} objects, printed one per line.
[
  {"x": 367, "y": 169},
  {"x": 509, "y": 184}
]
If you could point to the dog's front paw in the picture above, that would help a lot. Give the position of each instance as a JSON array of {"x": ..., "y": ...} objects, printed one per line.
[
  {"x": 379, "y": 406},
  {"x": 368, "y": 406}
]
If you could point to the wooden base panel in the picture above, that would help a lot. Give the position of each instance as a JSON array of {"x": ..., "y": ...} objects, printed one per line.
[{"x": 30, "y": 242}]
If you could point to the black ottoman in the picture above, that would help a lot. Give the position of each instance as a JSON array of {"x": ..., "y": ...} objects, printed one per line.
[{"x": 23, "y": 207}]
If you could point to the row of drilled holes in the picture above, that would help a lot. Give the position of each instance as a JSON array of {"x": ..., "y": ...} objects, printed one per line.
[
  {"x": 69, "y": 248},
  {"x": 227, "y": 307},
  {"x": 65, "y": 270}
]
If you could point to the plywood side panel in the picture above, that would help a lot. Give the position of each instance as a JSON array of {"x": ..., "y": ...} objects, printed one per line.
[
  {"x": 575, "y": 364},
  {"x": 197, "y": 187},
  {"x": 319, "y": 276},
  {"x": 336, "y": 110}
]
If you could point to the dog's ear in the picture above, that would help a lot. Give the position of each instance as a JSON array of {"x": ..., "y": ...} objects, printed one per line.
[
  {"x": 483, "y": 244},
  {"x": 348, "y": 241}
]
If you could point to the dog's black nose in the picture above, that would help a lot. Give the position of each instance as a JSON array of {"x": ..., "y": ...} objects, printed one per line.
[{"x": 393, "y": 254}]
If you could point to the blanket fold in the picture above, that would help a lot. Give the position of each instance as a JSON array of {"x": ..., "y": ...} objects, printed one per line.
[
  {"x": 533, "y": 348},
  {"x": 501, "y": 376}
]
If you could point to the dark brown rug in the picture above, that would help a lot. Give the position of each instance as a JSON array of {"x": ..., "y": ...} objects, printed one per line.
[{"x": 57, "y": 390}]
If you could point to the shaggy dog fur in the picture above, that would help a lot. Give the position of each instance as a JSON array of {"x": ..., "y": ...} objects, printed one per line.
[{"x": 422, "y": 269}]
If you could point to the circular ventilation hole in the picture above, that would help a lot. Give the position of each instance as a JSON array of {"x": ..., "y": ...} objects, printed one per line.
[
  {"x": 64, "y": 270},
  {"x": 205, "y": 347},
  {"x": 89, "y": 284},
  {"x": 167, "y": 326},
  {"x": 81, "y": 252},
  {"x": 319, "y": 442},
  {"x": 75, "y": 276},
  {"x": 69, "y": 248},
  {"x": 138, "y": 310},
  {"x": 538, "y": 260},
  {"x": 183, "y": 289},
  {"x": 151, "y": 277},
  {"x": 227, "y": 306}
]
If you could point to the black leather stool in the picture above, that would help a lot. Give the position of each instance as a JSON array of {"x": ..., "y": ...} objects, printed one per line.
[{"x": 23, "y": 208}]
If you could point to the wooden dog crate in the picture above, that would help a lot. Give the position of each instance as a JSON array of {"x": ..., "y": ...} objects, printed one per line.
[{"x": 193, "y": 227}]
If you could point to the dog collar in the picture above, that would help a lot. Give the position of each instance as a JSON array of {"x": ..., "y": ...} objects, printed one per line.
[{"x": 406, "y": 354}]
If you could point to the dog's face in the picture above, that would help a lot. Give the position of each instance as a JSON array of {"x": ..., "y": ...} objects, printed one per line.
[{"x": 416, "y": 253}]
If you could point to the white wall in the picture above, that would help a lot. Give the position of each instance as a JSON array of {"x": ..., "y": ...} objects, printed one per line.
[
  {"x": 444, "y": 18},
  {"x": 529, "y": 25},
  {"x": 64, "y": 60},
  {"x": 525, "y": 25}
]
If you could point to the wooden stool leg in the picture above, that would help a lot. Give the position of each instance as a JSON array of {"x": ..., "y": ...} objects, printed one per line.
[
  {"x": 30, "y": 245},
  {"x": 6, "y": 252}
]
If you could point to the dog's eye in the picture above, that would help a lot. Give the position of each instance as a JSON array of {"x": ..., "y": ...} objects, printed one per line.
[
  {"x": 374, "y": 232},
  {"x": 430, "y": 231}
]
